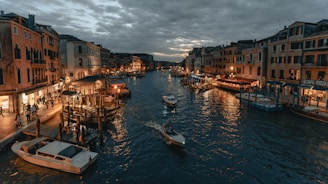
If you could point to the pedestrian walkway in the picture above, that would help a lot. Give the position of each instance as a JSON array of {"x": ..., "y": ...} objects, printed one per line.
[{"x": 8, "y": 128}]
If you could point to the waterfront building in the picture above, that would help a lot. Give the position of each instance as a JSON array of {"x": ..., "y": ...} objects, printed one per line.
[
  {"x": 147, "y": 60},
  {"x": 105, "y": 60},
  {"x": 28, "y": 61},
  {"x": 298, "y": 61},
  {"x": 79, "y": 58},
  {"x": 254, "y": 62},
  {"x": 193, "y": 61},
  {"x": 314, "y": 75}
]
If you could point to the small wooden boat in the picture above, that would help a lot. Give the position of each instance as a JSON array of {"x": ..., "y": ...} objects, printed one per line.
[
  {"x": 172, "y": 136},
  {"x": 170, "y": 100},
  {"x": 311, "y": 112},
  {"x": 55, "y": 154}
]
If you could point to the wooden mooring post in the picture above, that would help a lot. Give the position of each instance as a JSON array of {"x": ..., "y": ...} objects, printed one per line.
[{"x": 37, "y": 130}]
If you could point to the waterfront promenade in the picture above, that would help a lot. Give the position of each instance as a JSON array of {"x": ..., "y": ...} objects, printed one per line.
[{"x": 8, "y": 131}]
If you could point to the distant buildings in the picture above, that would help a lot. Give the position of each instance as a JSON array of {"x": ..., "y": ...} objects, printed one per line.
[{"x": 292, "y": 61}]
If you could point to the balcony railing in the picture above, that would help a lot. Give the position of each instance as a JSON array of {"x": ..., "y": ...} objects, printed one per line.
[
  {"x": 52, "y": 69},
  {"x": 38, "y": 61},
  {"x": 38, "y": 81},
  {"x": 317, "y": 64}
]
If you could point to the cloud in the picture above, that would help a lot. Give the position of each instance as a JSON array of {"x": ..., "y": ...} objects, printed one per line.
[{"x": 167, "y": 29}]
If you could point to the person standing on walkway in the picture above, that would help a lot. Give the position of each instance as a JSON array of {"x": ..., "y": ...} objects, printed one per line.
[{"x": 1, "y": 112}]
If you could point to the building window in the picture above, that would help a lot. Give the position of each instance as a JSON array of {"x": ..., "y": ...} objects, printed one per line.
[
  {"x": 321, "y": 42},
  {"x": 80, "y": 62},
  {"x": 292, "y": 75},
  {"x": 281, "y": 74},
  {"x": 1, "y": 76},
  {"x": 15, "y": 30},
  {"x": 80, "y": 49},
  {"x": 17, "y": 52},
  {"x": 28, "y": 54},
  {"x": 322, "y": 60},
  {"x": 71, "y": 74},
  {"x": 272, "y": 59},
  {"x": 280, "y": 59},
  {"x": 259, "y": 70},
  {"x": 307, "y": 75},
  {"x": 321, "y": 75},
  {"x": 309, "y": 59},
  {"x": 296, "y": 45},
  {"x": 283, "y": 47},
  {"x": 260, "y": 56},
  {"x": 250, "y": 70},
  {"x": 28, "y": 75},
  {"x": 274, "y": 48},
  {"x": 273, "y": 73},
  {"x": 297, "y": 59},
  {"x": 289, "y": 59},
  {"x": 19, "y": 80},
  {"x": 310, "y": 44}
]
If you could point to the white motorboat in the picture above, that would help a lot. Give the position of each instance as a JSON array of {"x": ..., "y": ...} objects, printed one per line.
[
  {"x": 172, "y": 136},
  {"x": 55, "y": 154},
  {"x": 170, "y": 100}
]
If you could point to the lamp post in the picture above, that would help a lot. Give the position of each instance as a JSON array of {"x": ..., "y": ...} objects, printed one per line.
[{"x": 116, "y": 97}]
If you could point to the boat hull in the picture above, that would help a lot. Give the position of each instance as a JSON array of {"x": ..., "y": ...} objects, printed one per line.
[
  {"x": 74, "y": 166},
  {"x": 173, "y": 138},
  {"x": 170, "y": 101},
  {"x": 311, "y": 115}
]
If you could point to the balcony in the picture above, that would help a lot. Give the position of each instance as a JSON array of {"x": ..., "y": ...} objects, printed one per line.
[
  {"x": 38, "y": 61},
  {"x": 319, "y": 64},
  {"x": 52, "y": 69},
  {"x": 39, "y": 81}
]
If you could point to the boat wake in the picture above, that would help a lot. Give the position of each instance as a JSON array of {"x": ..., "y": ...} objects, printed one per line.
[{"x": 153, "y": 125}]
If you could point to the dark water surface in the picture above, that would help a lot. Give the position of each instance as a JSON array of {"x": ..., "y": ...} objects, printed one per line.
[{"x": 226, "y": 142}]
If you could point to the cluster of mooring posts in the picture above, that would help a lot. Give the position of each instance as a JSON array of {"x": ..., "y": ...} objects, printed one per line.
[{"x": 81, "y": 114}]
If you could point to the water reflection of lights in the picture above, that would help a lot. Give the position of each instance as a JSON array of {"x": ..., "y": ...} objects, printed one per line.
[
  {"x": 231, "y": 106},
  {"x": 119, "y": 135}
]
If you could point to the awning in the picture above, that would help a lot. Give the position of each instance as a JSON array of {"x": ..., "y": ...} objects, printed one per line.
[{"x": 34, "y": 89}]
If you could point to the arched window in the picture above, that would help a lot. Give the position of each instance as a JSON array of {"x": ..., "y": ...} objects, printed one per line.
[
  {"x": 17, "y": 52},
  {"x": 28, "y": 54}
]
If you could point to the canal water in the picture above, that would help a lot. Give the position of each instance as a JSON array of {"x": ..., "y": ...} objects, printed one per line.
[{"x": 226, "y": 142}]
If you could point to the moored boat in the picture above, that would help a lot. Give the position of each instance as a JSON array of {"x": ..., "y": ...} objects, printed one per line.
[
  {"x": 55, "y": 154},
  {"x": 170, "y": 100},
  {"x": 172, "y": 136},
  {"x": 311, "y": 112}
]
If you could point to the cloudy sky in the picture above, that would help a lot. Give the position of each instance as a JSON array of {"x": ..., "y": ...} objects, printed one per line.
[{"x": 167, "y": 29}]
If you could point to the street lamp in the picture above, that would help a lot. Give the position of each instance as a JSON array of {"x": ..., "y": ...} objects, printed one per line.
[{"x": 116, "y": 96}]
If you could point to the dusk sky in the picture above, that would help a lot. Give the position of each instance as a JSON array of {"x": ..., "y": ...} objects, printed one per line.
[{"x": 167, "y": 29}]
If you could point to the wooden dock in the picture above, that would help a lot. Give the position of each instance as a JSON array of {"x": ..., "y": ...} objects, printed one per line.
[{"x": 53, "y": 133}]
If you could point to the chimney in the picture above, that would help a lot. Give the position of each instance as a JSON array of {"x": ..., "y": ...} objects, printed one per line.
[{"x": 31, "y": 21}]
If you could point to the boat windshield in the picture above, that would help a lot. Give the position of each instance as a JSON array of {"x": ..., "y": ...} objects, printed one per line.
[{"x": 70, "y": 151}]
